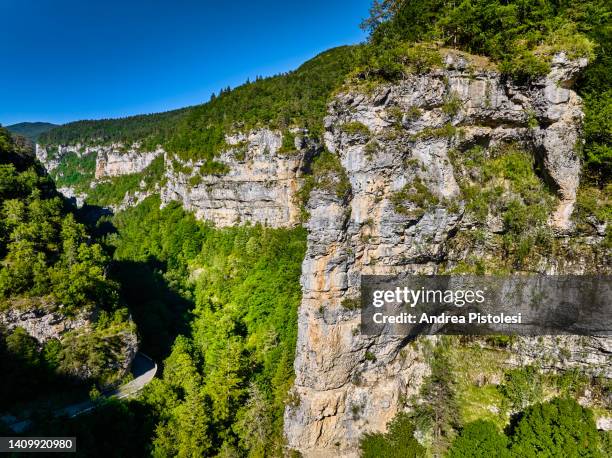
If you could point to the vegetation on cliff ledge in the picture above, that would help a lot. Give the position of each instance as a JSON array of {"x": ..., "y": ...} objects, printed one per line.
[
  {"x": 475, "y": 404},
  {"x": 520, "y": 36}
]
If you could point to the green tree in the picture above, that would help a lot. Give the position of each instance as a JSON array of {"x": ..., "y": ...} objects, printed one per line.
[
  {"x": 397, "y": 442},
  {"x": 560, "y": 427},
  {"x": 480, "y": 439},
  {"x": 23, "y": 346}
]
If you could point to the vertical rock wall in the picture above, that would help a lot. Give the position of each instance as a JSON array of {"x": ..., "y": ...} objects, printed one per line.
[
  {"x": 346, "y": 383},
  {"x": 259, "y": 187}
]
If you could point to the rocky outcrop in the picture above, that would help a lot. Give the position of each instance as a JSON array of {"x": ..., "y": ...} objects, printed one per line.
[
  {"x": 259, "y": 186},
  {"x": 43, "y": 324},
  {"x": 73, "y": 196},
  {"x": 118, "y": 349},
  {"x": 48, "y": 323},
  {"x": 111, "y": 163},
  {"x": 50, "y": 160},
  {"x": 589, "y": 355},
  {"x": 111, "y": 160},
  {"x": 347, "y": 383},
  {"x": 558, "y": 111}
]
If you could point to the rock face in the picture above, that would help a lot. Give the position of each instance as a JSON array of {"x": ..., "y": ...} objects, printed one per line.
[
  {"x": 259, "y": 187},
  {"x": 50, "y": 161},
  {"x": 76, "y": 198},
  {"x": 43, "y": 324},
  {"x": 111, "y": 160},
  {"x": 110, "y": 163},
  {"x": 591, "y": 355},
  {"x": 346, "y": 383}
]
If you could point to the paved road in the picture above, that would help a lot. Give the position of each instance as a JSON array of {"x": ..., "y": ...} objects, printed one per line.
[{"x": 143, "y": 369}]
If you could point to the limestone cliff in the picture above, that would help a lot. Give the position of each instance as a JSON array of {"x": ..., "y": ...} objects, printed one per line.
[
  {"x": 259, "y": 185},
  {"x": 408, "y": 150},
  {"x": 412, "y": 135},
  {"x": 110, "y": 163}
]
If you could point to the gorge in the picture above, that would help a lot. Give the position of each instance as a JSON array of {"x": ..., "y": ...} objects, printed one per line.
[{"x": 230, "y": 238}]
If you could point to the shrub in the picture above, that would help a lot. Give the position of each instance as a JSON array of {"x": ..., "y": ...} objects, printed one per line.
[
  {"x": 240, "y": 149},
  {"x": 417, "y": 194},
  {"x": 355, "y": 128},
  {"x": 351, "y": 303},
  {"x": 413, "y": 113},
  {"x": 195, "y": 180},
  {"x": 371, "y": 149},
  {"x": 592, "y": 202},
  {"x": 288, "y": 143},
  {"x": 480, "y": 439},
  {"x": 446, "y": 131},
  {"x": 598, "y": 136},
  {"x": 397, "y": 442},
  {"x": 522, "y": 387},
  {"x": 212, "y": 167},
  {"x": 452, "y": 104}
]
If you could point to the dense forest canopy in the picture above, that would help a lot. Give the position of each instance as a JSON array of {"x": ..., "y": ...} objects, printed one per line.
[
  {"x": 49, "y": 262},
  {"x": 126, "y": 130},
  {"x": 226, "y": 379},
  {"x": 44, "y": 251}
]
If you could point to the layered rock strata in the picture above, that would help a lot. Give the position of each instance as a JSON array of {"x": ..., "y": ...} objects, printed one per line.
[{"x": 346, "y": 383}]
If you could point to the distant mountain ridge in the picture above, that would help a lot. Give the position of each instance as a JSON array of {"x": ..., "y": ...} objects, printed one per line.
[{"x": 31, "y": 130}]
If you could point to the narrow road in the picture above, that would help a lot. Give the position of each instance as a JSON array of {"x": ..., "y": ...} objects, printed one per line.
[{"x": 143, "y": 369}]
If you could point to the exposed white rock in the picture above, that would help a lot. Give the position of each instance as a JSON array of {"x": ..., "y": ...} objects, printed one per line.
[
  {"x": 333, "y": 374},
  {"x": 259, "y": 187},
  {"x": 76, "y": 197},
  {"x": 588, "y": 354},
  {"x": 111, "y": 163},
  {"x": 43, "y": 324},
  {"x": 604, "y": 423}
]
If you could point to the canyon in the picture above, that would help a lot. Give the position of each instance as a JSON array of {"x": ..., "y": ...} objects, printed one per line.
[{"x": 397, "y": 139}]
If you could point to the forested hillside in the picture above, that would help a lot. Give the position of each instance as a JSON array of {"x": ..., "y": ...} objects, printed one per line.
[
  {"x": 226, "y": 380},
  {"x": 297, "y": 98},
  {"x": 49, "y": 265},
  {"x": 31, "y": 130},
  {"x": 45, "y": 251}
]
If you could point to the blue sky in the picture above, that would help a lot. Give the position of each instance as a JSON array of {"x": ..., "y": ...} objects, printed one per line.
[{"x": 64, "y": 60}]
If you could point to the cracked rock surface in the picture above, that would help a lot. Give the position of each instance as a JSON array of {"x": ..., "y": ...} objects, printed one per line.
[{"x": 347, "y": 383}]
